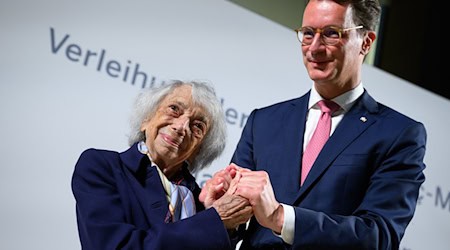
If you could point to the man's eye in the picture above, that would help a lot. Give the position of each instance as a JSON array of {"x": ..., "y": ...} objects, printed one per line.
[
  {"x": 330, "y": 33},
  {"x": 307, "y": 33}
]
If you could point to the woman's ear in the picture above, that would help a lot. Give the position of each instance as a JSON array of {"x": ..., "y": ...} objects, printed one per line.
[
  {"x": 143, "y": 124},
  {"x": 368, "y": 40}
]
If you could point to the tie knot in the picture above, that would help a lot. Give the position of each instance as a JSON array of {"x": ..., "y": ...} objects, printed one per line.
[{"x": 328, "y": 106}]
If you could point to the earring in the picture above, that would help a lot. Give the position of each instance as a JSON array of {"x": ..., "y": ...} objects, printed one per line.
[{"x": 142, "y": 147}]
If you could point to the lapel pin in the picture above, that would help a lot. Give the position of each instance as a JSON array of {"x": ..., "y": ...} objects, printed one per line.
[{"x": 363, "y": 119}]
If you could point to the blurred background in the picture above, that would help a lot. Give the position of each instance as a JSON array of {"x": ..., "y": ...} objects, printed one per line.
[{"x": 402, "y": 48}]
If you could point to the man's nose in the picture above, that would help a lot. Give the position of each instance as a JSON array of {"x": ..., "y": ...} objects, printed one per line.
[{"x": 316, "y": 42}]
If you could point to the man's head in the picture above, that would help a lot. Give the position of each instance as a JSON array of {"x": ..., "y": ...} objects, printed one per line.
[
  {"x": 334, "y": 64},
  {"x": 181, "y": 121}
]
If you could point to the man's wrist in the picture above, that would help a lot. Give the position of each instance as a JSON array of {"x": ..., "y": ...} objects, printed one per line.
[{"x": 278, "y": 218}]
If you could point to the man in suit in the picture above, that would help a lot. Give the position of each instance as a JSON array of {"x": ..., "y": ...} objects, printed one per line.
[
  {"x": 146, "y": 197},
  {"x": 361, "y": 191}
]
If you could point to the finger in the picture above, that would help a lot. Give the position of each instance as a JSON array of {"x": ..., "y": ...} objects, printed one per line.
[
  {"x": 255, "y": 177},
  {"x": 232, "y": 166},
  {"x": 235, "y": 167},
  {"x": 202, "y": 196},
  {"x": 233, "y": 184},
  {"x": 205, "y": 190},
  {"x": 219, "y": 190},
  {"x": 250, "y": 180},
  {"x": 248, "y": 190},
  {"x": 217, "y": 182},
  {"x": 225, "y": 175}
]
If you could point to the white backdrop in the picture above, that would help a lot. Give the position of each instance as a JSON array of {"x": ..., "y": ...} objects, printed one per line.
[{"x": 66, "y": 84}]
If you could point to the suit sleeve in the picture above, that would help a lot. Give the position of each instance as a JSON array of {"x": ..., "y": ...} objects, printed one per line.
[{"x": 104, "y": 222}]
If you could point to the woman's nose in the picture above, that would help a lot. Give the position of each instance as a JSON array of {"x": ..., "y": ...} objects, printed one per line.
[{"x": 180, "y": 124}]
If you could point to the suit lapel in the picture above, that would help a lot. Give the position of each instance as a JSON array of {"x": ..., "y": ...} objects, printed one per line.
[
  {"x": 359, "y": 118},
  {"x": 152, "y": 198},
  {"x": 288, "y": 154}
]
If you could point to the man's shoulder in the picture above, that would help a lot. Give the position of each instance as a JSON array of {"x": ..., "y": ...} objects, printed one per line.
[
  {"x": 386, "y": 112},
  {"x": 391, "y": 113},
  {"x": 286, "y": 104}
]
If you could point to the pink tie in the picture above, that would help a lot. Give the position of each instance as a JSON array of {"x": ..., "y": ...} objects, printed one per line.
[{"x": 319, "y": 138}]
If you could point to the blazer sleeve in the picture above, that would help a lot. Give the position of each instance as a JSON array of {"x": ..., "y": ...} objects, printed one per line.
[{"x": 104, "y": 220}]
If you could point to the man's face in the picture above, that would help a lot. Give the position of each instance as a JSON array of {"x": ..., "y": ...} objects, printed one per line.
[
  {"x": 176, "y": 130},
  {"x": 332, "y": 64}
]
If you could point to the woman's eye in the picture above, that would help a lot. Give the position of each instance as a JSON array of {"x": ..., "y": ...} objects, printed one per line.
[
  {"x": 198, "y": 128},
  {"x": 174, "y": 109}
]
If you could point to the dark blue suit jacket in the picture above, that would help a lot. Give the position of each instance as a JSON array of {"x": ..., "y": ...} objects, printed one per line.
[
  {"x": 362, "y": 190},
  {"x": 114, "y": 211}
]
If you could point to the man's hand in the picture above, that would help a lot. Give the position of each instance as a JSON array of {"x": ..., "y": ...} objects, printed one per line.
[{"x": 256, "y": 187}]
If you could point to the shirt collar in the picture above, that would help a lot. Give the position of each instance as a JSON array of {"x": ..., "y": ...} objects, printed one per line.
[{"x": 345, "y": 101}]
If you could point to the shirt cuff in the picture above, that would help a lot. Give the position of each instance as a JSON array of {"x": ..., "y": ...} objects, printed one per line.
[{"x": 288, "y": 229}]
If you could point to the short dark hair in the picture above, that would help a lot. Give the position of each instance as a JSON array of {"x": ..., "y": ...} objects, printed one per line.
[{"x": 365, "y": 12}]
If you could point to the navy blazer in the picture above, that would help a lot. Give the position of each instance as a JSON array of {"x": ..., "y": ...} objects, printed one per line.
[
  {"x": 362, "y": 190},
  {"x": 114, "y": 211}
]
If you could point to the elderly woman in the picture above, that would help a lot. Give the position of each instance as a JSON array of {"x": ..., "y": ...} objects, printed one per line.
[{"x": 146, "y": 197}]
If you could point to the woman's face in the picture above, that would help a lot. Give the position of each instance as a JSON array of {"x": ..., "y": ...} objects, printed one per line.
[{"x": 177, "y": 129}]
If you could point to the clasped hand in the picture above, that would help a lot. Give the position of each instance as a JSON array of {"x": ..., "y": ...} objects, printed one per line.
[{"x": 238, "y": 193}]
